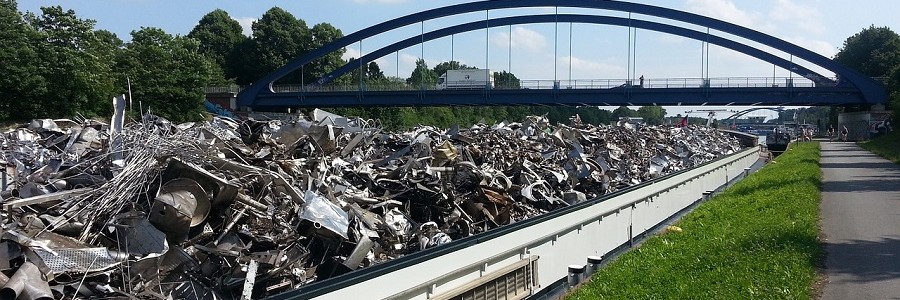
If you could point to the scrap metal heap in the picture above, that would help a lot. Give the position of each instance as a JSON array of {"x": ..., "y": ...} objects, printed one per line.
[{"x": 228, "y": 209}]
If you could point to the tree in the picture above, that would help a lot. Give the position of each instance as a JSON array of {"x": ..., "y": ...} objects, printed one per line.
[
  {"x": 622, "y": 111},
  {"x": 20, "y": 82},
  {"x": 75, "y": 62},
  {"x": 653, "y": 115},
  {"x": 894, "y": 90},
  {"x": 321, "y": 35},
  {"x": 374, "y": 73},
  {"x": 506, "y": 80},
  {"x": 167, "y": 73},
  {"x": 441, "y": 68},
  {"x": 219, "y": 37},
  {"x": 422, "y": 76},
  {"x": 278, "y": 38},
  {"x": 874, "y": 51}
]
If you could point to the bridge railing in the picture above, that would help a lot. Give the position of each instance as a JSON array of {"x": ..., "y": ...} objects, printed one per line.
[{"x": 653, "y": 83}]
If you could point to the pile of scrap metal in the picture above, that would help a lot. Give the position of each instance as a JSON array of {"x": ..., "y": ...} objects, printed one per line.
[{"x": 230, "y": 209}]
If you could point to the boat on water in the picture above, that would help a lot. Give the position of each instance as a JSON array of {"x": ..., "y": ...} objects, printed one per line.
[{"x": 778, "y": 140}]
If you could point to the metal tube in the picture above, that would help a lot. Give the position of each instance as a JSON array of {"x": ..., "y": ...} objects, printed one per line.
[
  {"x": 555, "y": 43},
  {"x": 487, "y": 39},
  {"x": 27, "y": 283},
  {"x": 593, "y": 265},
  {"x": 570, "y": 53},
  {"x": 576, "y": 274},
  {"x": 509, "y": 55}
]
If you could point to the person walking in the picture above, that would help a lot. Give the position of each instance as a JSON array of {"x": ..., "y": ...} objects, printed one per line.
[{"x": 844, "y": 132}]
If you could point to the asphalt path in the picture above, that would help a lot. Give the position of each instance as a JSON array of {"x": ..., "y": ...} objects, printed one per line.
[{"x": 861, "y": 222}]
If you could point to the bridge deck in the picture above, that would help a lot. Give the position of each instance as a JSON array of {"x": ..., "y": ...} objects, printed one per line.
[{"x": 782, "y": 96}]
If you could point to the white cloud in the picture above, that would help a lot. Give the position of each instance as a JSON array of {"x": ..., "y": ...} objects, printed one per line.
[
  {"x": 351, "y": 52},
  {"x": 823, "y": 48},
  {"x": 522, "y": 38},
  {"x": 407, "y": 64},
  {"x": 806, "y": 17},
  {"x": 672, "y": 39},
  {"x": 721, "y": 9},
  {"x": 246, "y": 24},
  {"x": 726, "y": 10},
  {"x": 584, "y": 68}
]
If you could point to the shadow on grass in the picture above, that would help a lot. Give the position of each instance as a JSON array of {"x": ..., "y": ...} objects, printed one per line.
[
  {"x": 790, "y": 241},
  {"x": 744, "y": 190},
  {"x": 865, "y": 261}
]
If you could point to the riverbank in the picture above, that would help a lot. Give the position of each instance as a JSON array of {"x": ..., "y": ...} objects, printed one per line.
[{"x": 757, "y": 239}]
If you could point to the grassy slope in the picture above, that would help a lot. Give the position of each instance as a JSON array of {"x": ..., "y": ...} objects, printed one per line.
[
  {"x": 887, "y": 146},
  {"x": 756, "y": 240}
]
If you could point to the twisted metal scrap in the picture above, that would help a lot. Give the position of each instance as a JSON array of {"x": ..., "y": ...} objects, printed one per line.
[{"x": 306, "y": 190}]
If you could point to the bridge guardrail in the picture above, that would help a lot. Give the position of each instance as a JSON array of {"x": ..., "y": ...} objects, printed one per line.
[
  {"x": 651, "y": 83},
  {"x": 548, "y": 243}
]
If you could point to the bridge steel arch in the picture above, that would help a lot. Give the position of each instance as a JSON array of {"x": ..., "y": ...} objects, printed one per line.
[
  {"x": 749, "y": 110},
  {"x": 870, "y": 90},
  {"x": 590, "y": 19}
]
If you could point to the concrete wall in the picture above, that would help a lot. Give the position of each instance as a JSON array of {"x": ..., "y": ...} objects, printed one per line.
[{"x": 859, "y": 123}]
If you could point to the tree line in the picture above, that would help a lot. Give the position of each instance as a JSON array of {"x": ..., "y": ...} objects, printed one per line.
[
  {"x": 874, "y": 52},
  {"x": 59, "y": 65}
]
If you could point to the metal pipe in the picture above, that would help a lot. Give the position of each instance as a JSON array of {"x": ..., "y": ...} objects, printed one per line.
[
  {"x": 593, "y": 265},
  {"x": 576, "y": 274},
  {"x": 28, "y": 284}
]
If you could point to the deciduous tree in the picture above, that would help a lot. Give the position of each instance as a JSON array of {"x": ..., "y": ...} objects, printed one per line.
[
  {"x": 653, "y": 115},
  {"x": 278, "y": 38},
  {"x": 321, "y": 35},
  {"x": 422, "y": 76},
  {"x": 168, "y": 74},
  {"x": 219, "y": 37},
  {"x": 874, "y": 51},
  {"x": 506, "y": 80},
  {"x": 20, "y": 82},
  {"x": 75, "y": 62}
]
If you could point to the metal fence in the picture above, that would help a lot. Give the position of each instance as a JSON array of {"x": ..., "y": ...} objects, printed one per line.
[{"x": 651, "y": 83}]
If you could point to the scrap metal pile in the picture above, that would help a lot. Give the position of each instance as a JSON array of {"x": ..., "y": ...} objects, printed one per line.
[{"x": 228, "y": 209}]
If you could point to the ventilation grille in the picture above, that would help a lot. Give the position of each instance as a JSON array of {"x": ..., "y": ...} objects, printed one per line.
[{"x": 511, "y": 283}]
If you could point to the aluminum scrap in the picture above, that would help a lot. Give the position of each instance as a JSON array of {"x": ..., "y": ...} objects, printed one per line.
[{"x": 246, "y": 208}]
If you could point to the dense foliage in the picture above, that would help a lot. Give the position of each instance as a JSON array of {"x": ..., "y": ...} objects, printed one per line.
[
  {"x": 875, "y": 52},
  {"x": 167, "y": 73}
]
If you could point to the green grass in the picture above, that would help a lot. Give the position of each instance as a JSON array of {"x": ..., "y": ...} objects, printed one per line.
[
  {"x": 888, "y": 146},
  {"x": 757, "y": 240}
]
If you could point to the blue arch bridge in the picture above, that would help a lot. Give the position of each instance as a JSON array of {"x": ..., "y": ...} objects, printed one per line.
[{"x": 809, "y": 88}]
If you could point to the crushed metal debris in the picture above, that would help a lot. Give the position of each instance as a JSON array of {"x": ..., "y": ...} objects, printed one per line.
[{"x": 242, "y": 208}]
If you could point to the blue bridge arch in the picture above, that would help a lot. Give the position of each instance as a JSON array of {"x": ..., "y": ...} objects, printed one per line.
[{"x": 852, "y": 84}]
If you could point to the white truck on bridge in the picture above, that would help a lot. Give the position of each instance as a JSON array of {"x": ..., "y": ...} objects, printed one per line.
[{"x": 466, "y": 79}]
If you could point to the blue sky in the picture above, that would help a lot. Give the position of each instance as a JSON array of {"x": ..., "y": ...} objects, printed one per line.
[{"x": 597, "y": 52}]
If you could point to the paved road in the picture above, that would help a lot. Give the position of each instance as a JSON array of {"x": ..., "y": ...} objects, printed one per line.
[{"x": 861, "y": 220}]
